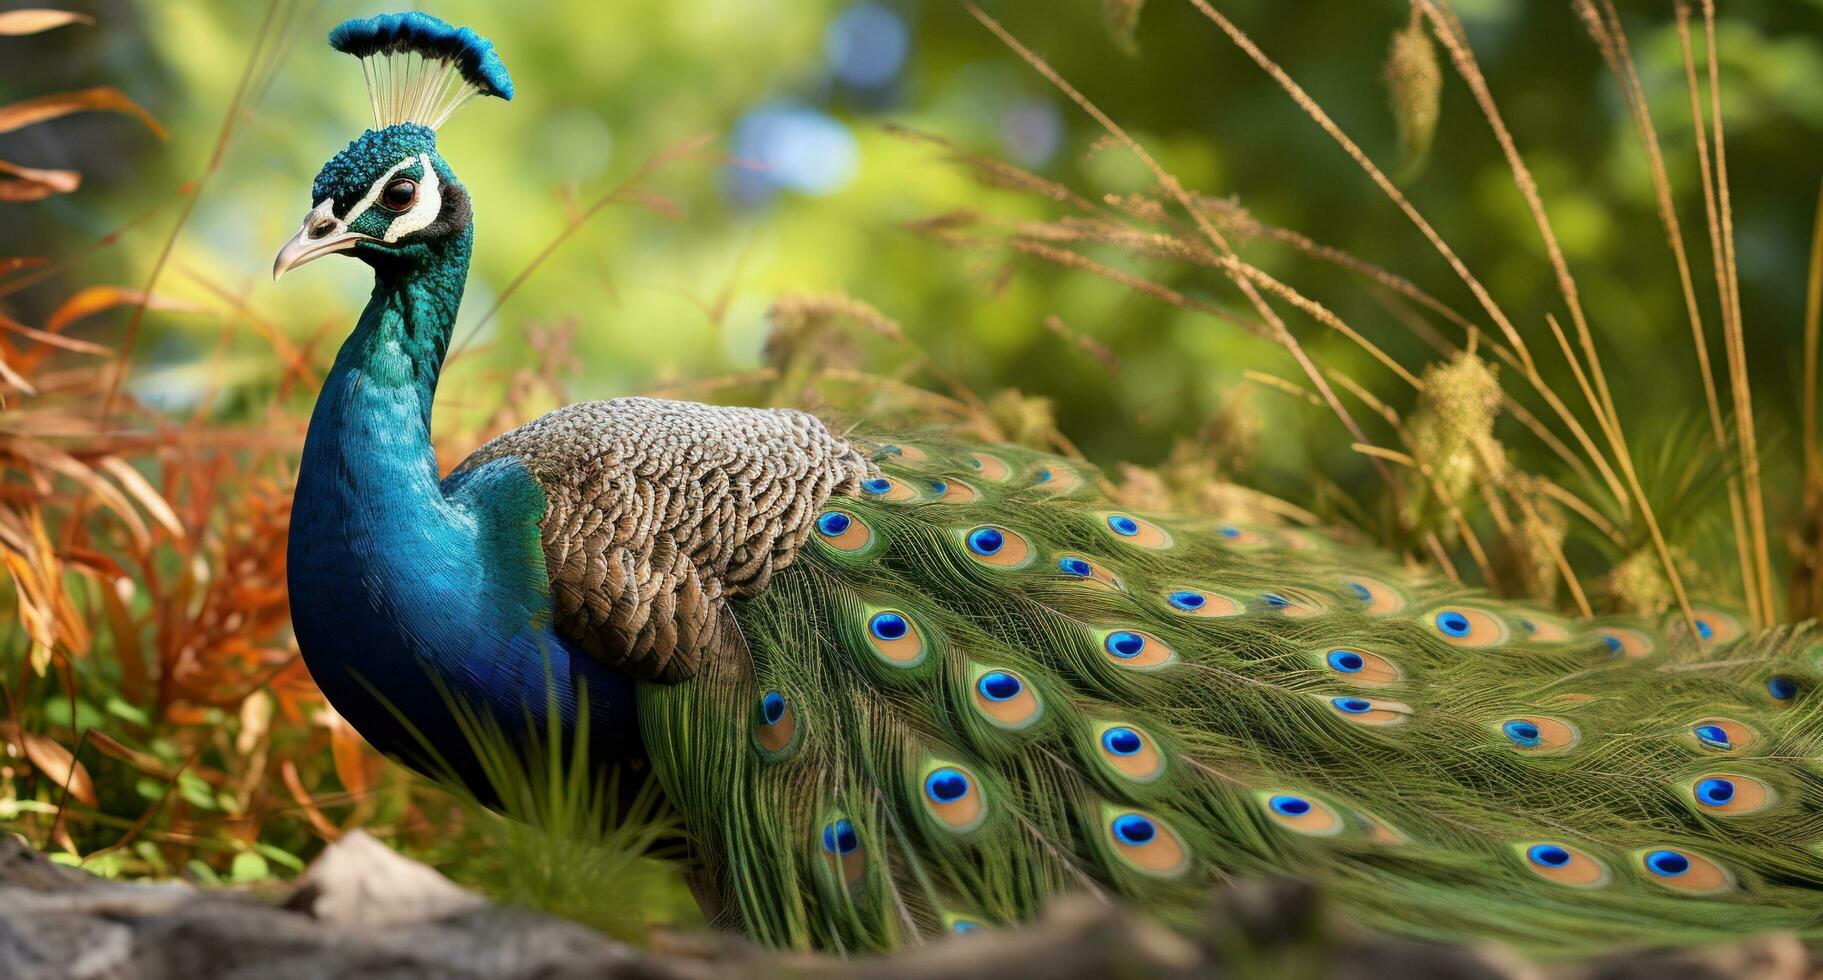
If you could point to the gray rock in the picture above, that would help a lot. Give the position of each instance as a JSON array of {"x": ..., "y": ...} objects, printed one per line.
[{"x": 362, "y": 910}]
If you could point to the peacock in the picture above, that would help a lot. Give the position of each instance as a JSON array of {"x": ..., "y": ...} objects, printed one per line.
[{"x": 897, "y": 686}]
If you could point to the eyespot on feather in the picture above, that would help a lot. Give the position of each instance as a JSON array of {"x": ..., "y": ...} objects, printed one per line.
[
  {"x": 839, "y": 843},
  {"x": 1135, "y": 649},
  {"x": 1055, "y": 478},
  {"x": 949, "y": 491},
  {"x": 1246, "y": 538},
  {"x": 1539, "y": 735},
  {"x": 775, "y": 726},
  {"x": 910, "y": 454},
  {"x": 1300, "y": 813},
  {"x": 1293, "y": 603},
  {"x": 1129, "y": 751},
  {"x": 1467, "y": 626},
  {"x": 990, "y": 467},
  {"x": 1727, "y": 794},
  {"x": 1374, "y": 712},
  {"x": 1377, "y": 598},
  {"x": 888, "y": 488},
  {"x": 1562, "y": 864},
  {"x": 1135, "y": 531},
  {"x": 843, "y": 531},
  {"x": 1201, "y": 604},
  {"x": 893, "y": 637},
  {"x": 1080, "y": 569},
  {"x": 1713, "y": 626},
  {"x": 1146, "y": 843},
  {"x": 1005, "y": 698},
  {"x": 1781, "y": 690},
  {"x": 1540, "y": 628},
  {"x": 1358, "y": 667},
  {"x": 953, "y": 796},
  {"x": 1681, "y": 870},
  {"x": 991, "y": 544},
  {"x": 1620, "y": 641},
  {"x": 1722, "y": 735}
]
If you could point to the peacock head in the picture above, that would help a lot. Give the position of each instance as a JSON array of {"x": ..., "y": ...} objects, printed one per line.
[{"x": 388, "y": 198}]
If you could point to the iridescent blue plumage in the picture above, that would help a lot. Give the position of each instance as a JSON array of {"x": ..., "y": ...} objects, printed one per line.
[{"x": 426, "y": 35}]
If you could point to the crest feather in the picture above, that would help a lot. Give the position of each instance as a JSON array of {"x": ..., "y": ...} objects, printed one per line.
[{"x": 420, "y": 69}]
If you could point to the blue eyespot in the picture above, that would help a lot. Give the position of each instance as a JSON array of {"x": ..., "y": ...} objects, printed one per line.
[
  {"x": 833, "y": 523},
  {"x": 1075, "y": 567},
  {"x": 1044, "y": 476},
  {"x": 840, "y": 837},
  {"x": 1133, "y": 829},
  {"x": 1121, "y": 741},
  {"x": 1547, "y": 855},
  {"x": 1612, "y": 642},
  {"x": 938, "y": 487},
  {"x": 963, "y": 926},
  {"x": 1275, "y": 600},
  {"x": 1346, "y": 661},
  {"x": 1188, "y": 601},
  {"x": 946, "y": 785},
  {"x": 1353, "y": 706},
  {"x": 1521, "y": 733},
  {"x": 1714, "y": 736},
  {"x": 975, "y": 461},
  {"x": 888, "y": 625},
  {"x": 1453, "y": 623},
  {"x": 1361, "y": 592},
  {"x": 1704, "y": 630},
  {"x": 1229, "y": 532},
  {"x": 1528, "y": 626},
  {"x": 1123, "y": 525},
  {"x": 1667, "y": 864},
  {"x": 877, "y": 485},
  {"x": 772, "y": 707},
  {"x": 1289, "y": 806},
  {"x": 1715, "y": 791},
  {"x": 986, "y": 540},
  {"x": 1781, "y": 688},
  {"x": 1124, "y": 644},
  {"x": 891, "y": 450},
  {"x": 998, "y": 685}
]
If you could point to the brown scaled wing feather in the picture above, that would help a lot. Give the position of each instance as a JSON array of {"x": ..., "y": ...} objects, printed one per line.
[{"x": 658, "y": 511}]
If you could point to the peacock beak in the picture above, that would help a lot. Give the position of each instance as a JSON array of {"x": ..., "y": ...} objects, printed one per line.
[{"x": 320, "y": 235}]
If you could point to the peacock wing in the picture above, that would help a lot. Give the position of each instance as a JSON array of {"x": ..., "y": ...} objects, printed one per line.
[{"x": 656, "y": 512}]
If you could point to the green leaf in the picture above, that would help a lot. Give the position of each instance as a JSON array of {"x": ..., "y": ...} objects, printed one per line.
[
  {"x": 281, "y": 856},
  {"x": 249, "y": 867}
]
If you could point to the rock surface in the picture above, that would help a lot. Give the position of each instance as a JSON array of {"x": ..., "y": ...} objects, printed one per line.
[{"x": 363, "y": 910}]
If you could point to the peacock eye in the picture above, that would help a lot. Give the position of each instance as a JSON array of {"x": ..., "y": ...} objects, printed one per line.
[{"x": 399, "y": 195}]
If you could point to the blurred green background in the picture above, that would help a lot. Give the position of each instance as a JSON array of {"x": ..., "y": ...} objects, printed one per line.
[{"x": 804, "y": 87}]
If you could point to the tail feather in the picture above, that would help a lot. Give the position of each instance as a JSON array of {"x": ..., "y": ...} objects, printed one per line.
[{"x": 998, "y": 687}]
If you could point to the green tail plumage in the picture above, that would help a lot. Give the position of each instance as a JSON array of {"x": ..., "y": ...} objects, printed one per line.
[{"x": 984, "y": 685}]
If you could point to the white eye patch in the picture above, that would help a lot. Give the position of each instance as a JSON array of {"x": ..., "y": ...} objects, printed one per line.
[{"x": 423, "y": 211}]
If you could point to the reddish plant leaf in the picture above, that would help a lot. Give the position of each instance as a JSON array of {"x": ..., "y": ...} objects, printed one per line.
[
  {"x": 101, "y": 98},
  {"x": 37, "y": 20},
  {"x": 95, "y": 299},
  {"x": 17, "y": 262},
  {"x": 33, "y": 184},
  {"x": 57, "y": 764}
]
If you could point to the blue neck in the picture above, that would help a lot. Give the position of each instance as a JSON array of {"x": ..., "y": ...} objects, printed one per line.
[{"x": 406, "y": 589}]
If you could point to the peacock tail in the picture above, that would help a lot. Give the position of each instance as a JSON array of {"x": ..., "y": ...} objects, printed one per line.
[{"x": 985, "y": 684}]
